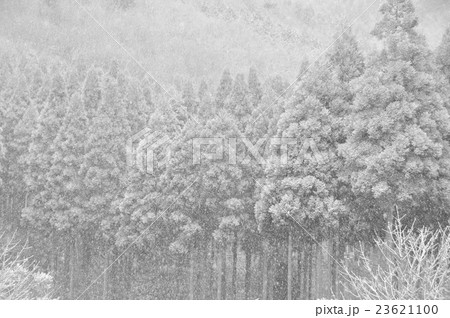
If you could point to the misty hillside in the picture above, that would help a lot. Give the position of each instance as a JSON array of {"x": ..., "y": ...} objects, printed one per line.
[{"x": 198, "y": 38}]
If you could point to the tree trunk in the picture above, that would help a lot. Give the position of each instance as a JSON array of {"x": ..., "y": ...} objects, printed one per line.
[
  {"x": 265, "y": 270},
  {"x": 129, "y": 275},
  {"x": 65, "y": 277},
  {"x": 305, "y": 270},
  {"x": 300, "y": 272},
  {"x": 26, "y": 199},
  {"x": 248, "y": 272},
  {"x": 311, "y": 270},
  {"x": 221, "y": 266},
  {"x": 11, "y": 204},
  {"x": 2, "y": 207},
  {"x": 105, "y": 276},
  {"x": 341, "y": 255},
  {"x": 223, "y": 272},
  {"x": 204, "y": 272},
  {"x": 334, "y": 264},
  {"x": 212, "y": 264},
  {"x": 271, "y": 271},
  {"x": 219, "y": 271},
  {"x": 115, "y": 280},
  {"x": 391, "y": 224},
  {"x": 72, "y": 268},
  {"x": 234, "y": 268},
  {"x": 289, "y": 271},
  {"x": 54, "y": 258},
  {"x": 86, "y": 257},
  {"x": 191, "y": 274}
]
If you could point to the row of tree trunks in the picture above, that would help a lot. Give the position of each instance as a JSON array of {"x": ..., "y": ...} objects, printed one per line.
[
  {"x": 314, "y": 274},
  {"x": 292, "y": 270},
  {"x": 214, "y": 260},
  {"x": 117, "y": 273},
  {"x": 70, "y": 262},
  {"x": 11, "y": 206}
]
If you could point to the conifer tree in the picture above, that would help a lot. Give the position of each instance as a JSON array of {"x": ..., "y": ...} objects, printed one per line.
[
  {"x": 105, "y": 157},
  {"x": 213, "y": 203},
  {"x": 67, "y": 196},
  {"x": 147, "y": 191},
  {"x": 303, "y": 195},
  {"x": 72, "y": 83},
  {"x": 224, "y": 89},
  {"x": 149, "y": 197},
  {"x": 36, "y": 82},
  {"x": 92, "y": 92},
  {"x": 148, "y": 98},
  {"x": 396, "y": 152},
  {"x": 23, "y": 133},
  {"x": 346, "y": 58},
  {"x": 138, "y": 110},
  {"x": 238, "y": 103},
  {"x": 12, "y": 111},
  {"x": 188, "y": 97},
  {"x": 202, "y": 90},
  {"x": 41, "y": 208},
  {"x": 254, "y": 87},
  {"x": 207, "y": 106},
  {"x": 443, "y": 55},
  {"x": 68, "y": 151},
  {"x": 103, "y": 172},
  {"x": 41, "y": 152},
  {"x": 124, "y": 4}
]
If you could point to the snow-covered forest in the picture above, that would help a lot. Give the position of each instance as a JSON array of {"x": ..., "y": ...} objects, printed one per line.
[{"x": 363, "y": 192}]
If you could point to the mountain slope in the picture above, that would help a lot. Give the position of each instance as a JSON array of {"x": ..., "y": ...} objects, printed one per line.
[{"x": 199, "y": 38}]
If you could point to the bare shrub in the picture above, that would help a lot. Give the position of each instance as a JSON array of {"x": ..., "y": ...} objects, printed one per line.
[
  {"x": 19, "y": 277},
  {"x": 413, "y": 264}
]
